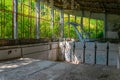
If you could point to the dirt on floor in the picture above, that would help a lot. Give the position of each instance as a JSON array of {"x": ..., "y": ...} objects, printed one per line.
[{"x": 31, "y": 69}]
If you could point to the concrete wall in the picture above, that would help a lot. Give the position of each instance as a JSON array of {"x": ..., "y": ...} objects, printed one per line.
[
  {"x": 36, "y": 51},
  {"x": 46, "y": 51},
  {"x": 10, "y": 53},
  {"x": 74, "y": 51},
  {"x": 69, "y": 51}
]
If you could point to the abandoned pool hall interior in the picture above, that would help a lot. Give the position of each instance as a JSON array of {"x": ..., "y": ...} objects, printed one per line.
[{"x": 59, "y": 39}]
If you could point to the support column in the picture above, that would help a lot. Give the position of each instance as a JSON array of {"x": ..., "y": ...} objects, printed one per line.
[
  {"x": 82, "y": 19},
  {"x": 52, "y": 17},
  {"x": 75, "y": 22},
  {"x": 15, "y": 24},
  {"x": 81, "y": 28},
  {"x": 37, "y": 12},
  {"x": 118, "y": 59},
  {"x": 105, "y": 25},
  {"x": 61, "y": 23},
  {"x": 69, "y": 26},
  {"x": 89, "y": 24},
  {"x": 96, "y": 28}
]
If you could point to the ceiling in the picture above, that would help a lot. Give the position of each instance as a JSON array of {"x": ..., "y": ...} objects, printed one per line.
[{"x": 97, "y": 6}]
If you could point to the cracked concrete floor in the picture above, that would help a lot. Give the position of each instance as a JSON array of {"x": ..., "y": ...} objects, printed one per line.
[{"x": 31, "y": 69}]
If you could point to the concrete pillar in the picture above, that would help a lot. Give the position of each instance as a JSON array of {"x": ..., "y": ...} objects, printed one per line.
[
  {"x": 61, "y": 23},
  {"x": 52, "y": 17},
  {"x": 37, "y": 12},
  {"x": 82, "y": 22},
  {"x": 69, "y": 26},
  {"x": 118, "y": 60},
  {"x": 15, "y": 24},
  {"x": 105, "y": 25},
  {"x": 96, "y": 28},
  {"x": 82, "y": 19},
  {"x": 75, "y": 22},
  {"x": 89, "y": 24}
]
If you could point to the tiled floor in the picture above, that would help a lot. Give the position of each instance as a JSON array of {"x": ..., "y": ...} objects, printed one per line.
[{"x": 31, "y": 69}]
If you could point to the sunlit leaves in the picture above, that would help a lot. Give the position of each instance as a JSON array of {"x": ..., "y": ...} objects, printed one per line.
[{"x": 27, "y": 25}]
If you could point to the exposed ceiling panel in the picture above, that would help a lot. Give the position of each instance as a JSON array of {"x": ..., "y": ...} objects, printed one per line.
[{"x": 98, "y": 6}]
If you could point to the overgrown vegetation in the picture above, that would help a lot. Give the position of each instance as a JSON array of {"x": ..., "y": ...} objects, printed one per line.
[{"x": 26, "y": 22}]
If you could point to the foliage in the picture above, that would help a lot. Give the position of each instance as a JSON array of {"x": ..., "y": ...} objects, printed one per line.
[{"x": 26, "y": 22}]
